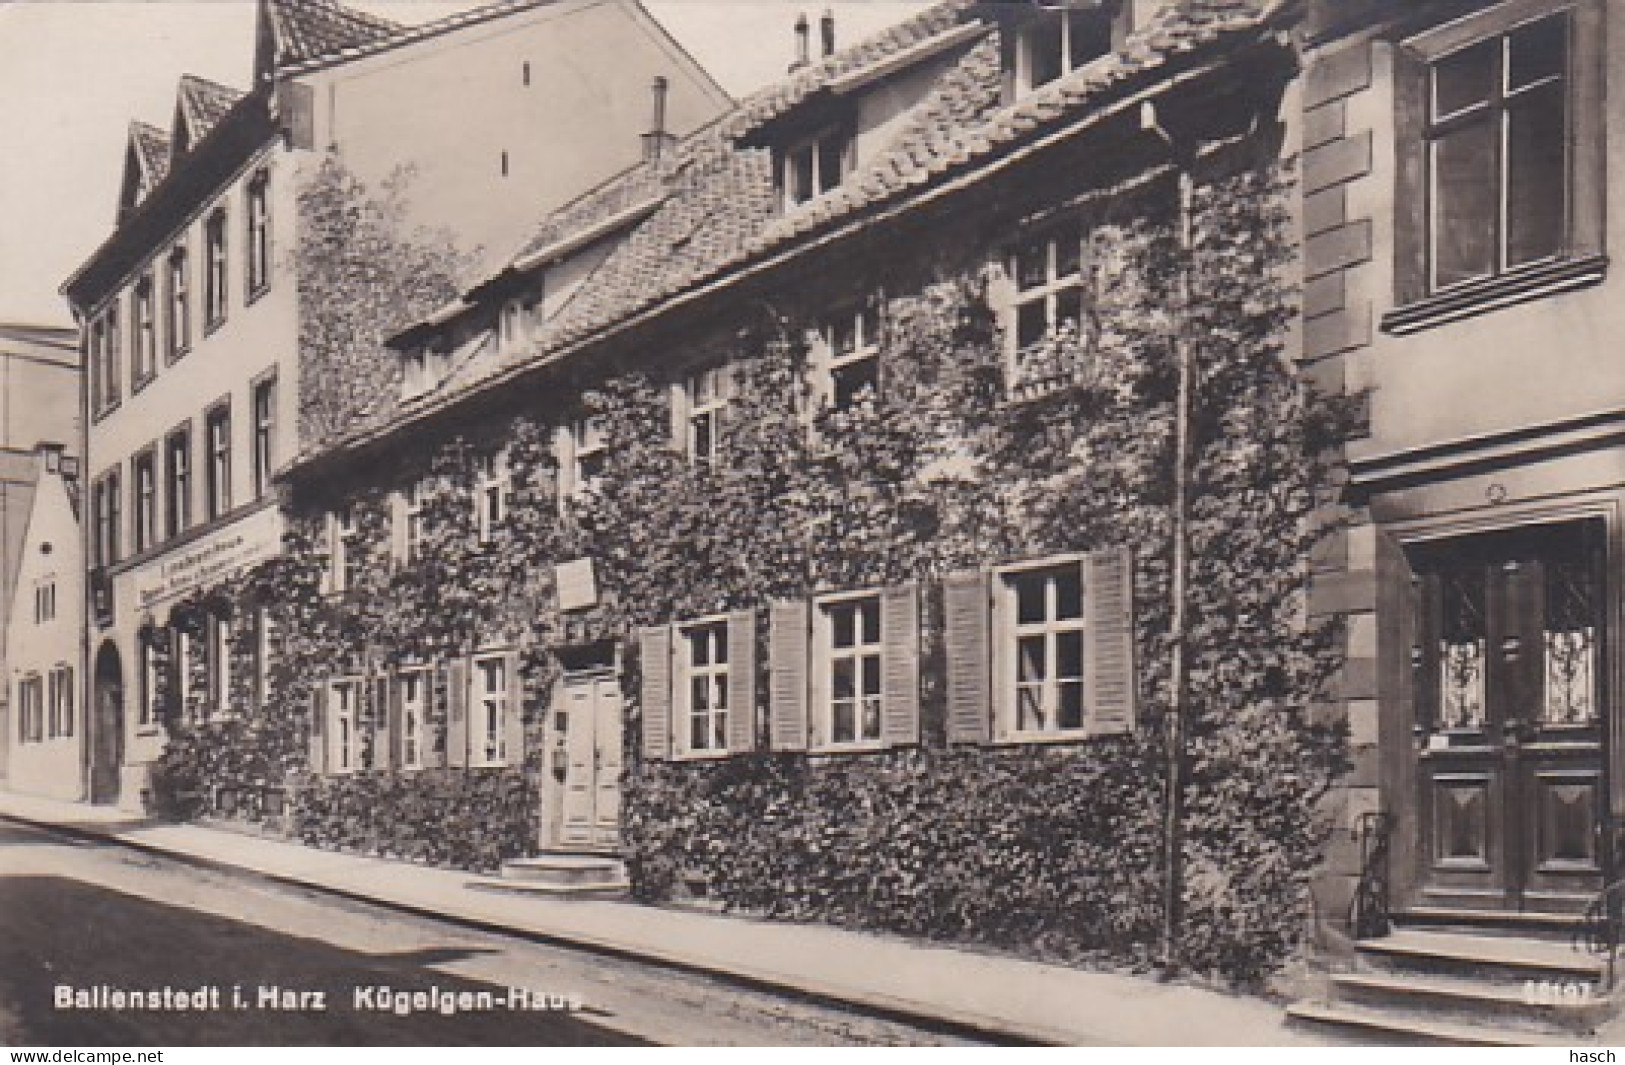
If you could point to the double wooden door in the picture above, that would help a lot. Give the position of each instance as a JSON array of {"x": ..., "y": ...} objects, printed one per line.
[
  {"x": 587, "y": 721},
  {"x": 1510, "y": 684}
]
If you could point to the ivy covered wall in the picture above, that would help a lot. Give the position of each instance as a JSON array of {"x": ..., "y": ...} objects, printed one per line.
[{"x": 1053, "y": 849}]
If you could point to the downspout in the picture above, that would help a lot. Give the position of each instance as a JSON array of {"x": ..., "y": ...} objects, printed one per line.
[{"x": 1174, "y": 721}]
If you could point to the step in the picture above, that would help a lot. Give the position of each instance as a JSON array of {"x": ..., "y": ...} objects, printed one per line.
[
  {"x": 610, "y": 889},
  {"x": 1468, "y": 1000},
  {"x": 1362, "y": 1024},
  {"x": 1556, "y": 927},
  {"x": 565, "y": 870},
  {"x": 1484, "y": 957}
]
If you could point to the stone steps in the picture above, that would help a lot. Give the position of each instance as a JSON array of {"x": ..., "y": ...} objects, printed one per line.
[{"x": 561, "y": 876}]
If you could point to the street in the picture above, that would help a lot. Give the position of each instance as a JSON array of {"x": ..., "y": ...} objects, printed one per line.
[{"x": 102, "y": 945}]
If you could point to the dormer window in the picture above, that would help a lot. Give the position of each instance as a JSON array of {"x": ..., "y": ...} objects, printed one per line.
[
  {"x": 812, "y": 167},
  {"x": 421, "y": 369},
  {"x": 513, "y": 326},
  {"x": 1057, "y": 42}
]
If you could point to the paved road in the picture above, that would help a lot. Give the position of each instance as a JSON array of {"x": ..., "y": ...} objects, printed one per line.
[{"x": 249, "y": 963}]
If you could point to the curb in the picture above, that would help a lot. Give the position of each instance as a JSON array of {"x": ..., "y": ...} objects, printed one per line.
[{"x": 885, "y": 1007}]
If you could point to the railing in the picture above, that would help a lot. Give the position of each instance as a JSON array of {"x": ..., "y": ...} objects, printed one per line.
[
  {"x": 1599, "y": 929},
  {"x": 1369, "y": 914}
]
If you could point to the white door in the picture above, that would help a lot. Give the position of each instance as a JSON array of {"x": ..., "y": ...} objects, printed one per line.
[{"x": 591, "y": 794}]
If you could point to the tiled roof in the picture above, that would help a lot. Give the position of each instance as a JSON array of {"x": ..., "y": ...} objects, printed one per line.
[
  {"x": 721, "y": 210},
  {"x": 310, "y": 29},
  {"x": 151, "y": 146},
  {"x": 204, "y": 103}
]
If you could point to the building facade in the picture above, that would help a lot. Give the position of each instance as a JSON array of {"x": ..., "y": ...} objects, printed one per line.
[
  {"x": 39, "y": 403},
  {"x": 202, "y": 310}
]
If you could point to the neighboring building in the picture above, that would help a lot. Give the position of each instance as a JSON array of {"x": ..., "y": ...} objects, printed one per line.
[
  {"x": 45, "y": 752},
  {"x": 191, "y": 310},
  {"x": 39, "y": 400}
]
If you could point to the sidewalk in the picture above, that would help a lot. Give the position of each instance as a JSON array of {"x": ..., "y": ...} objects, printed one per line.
[{"x": 1002, "y": 998}]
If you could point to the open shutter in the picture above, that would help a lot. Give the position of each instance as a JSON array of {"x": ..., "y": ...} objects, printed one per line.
[
  {"x": 967, "y": 622},
  {"x": 787, "y": 691},
  {"x": 1410, "y": 126},
  {"x": 393, "y": 722},
  {"x": 679, "y": 418},
  {"x": 654, "y": 662},
  {"x": 1109, "y": 658},
  {"x": 900, "y": 664},
  {"x": 383, "y": 751},
  {"x": 513, "y": 726},
  {"x": 741, "y": 681},
  {"x": 318, "y": 728},
  {"x": 457, "y": 714}
]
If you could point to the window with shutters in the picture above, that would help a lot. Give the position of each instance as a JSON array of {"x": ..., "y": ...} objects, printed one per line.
[
  {"x": 343, "y": 720},
  {"x": 848, "y": 654},
  {"x": 1041, "y": 619},
  {"x": 702, "y": 688},
  {"x": 412, "y": 687},
  {"x": 488, "y": 711},
  {"x": 1501, "y": 174}
]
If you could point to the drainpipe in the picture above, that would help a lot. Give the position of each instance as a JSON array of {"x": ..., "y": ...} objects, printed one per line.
[{"x": 1174, "y": 722}]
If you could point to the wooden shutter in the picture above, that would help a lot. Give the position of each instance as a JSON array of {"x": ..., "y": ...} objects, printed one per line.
[
  {"x": 318, "y": 728},
  {"x": 679, "y": 417},
  {"x": 457, "y": 714},
  {"x": 654, "y": 662},
  {"x": 741, "y": 681},
  {"x": 1109, "y": 655},
  {"x": 383, "y": 751},
  {"x": 968, "y": 637},
  {"x": 393, "y": 722},
  {"x": 900, "y": 665},
  {"x": 787, "y": 689},
  {"x": 1410, "y": 129},
  {"x": 514, "y": 725}
]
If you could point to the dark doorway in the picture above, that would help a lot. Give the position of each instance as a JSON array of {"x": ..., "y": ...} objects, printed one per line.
[{"x": 107, "y": 725}]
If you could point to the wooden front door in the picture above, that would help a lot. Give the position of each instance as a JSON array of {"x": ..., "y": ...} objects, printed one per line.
[
  {"x": 1510, "y": 666},
  {"x": 590, "y": 796}
]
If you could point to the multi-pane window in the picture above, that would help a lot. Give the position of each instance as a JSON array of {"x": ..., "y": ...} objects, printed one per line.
[
  {"x": 105, "y": 387},
  {"x": 814, "y": 166},
  {"x": 112, "y": 518},
  {"x": 31, "y": 709},
  {"x": 144, "y": 475},
  {"x": 1497, "y": 153},
  {"x": 487, "y": 739},
  {"x": 179, "y": 325},
  {"x": 214, "y": 280},
  {"x": 218, "y": 481},
  {"x": 412, "y": 518},
  {"x": 702, "y": 689},
  {"x": 343, "y": 550},
  {"x": 585, "y": 447},
  {"x": 259, "y": 233},
  {"x": 491, "y": 493},
  {"x": 854, "y": 355},
  {"x": 178, "y": 482},
  {"x": 144, "y": 333},
  {"x": 705, "y": 397},
  {"x": 513, "y": 325},
  {"x": 1056, "y": 43},
  {"x": 412, "y": 686},
  {"x": 849, "y": 644},
  {"x": 1042, "y": 682},
  {"x": 180, "y": 641},
  {"x": 61, "y": 701},
  {"x": 343, "y": 714},
  {"x": 217, "y": 662},
  {"x": 45, "y": 601},
  {"x": 264, "y": 404},
  {"x": 147, "y": 704},
  {"x": 1048, "y": 273}
]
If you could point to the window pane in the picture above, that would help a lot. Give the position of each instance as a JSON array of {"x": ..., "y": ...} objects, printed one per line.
[
  {"x": 1032, "y": 264},
  {"x": 1044, "y": 51},
  {"x": 1465, "y": 79},
  {"x": 719, "y": 731},
  {"x": 1031, "y": 323},
  {"x": 1090, "y": 37},
  {"x": 855, "y": 380},
  {"x": 845, "y": 335},
  {"x": 719, "y": 692},
  {"x": 1031, "y": 659},
  {"x": 1068, "y": 251},
  {"x": 1536, "y": 175},
  {"x": 1030, "y": 599},
  {"x": 699, "y": 693},
  {"x": 843, "y": 679},
  {"x": 1069, "y": 306},
  {"x": 1068, "y": 593},
  {"x": 801, "y": 175},
  {"x": 829, "y": 163},
  {"x": 697, "y": 731},
  {"x": 719, "y": 644},
  {"x": 871, "y": 718},
  {"x": 1464, "y": 204},
  {"x": 871, "y": 675},
  {"x": 699, "y": 648},
  {"x": 842, "y": 620},
  {"x": 1069, "y": 655},
  {"x": 843, "y": 722},
  {"x": 1029, "y": 708},
  {"x": 870, "y": 609},
  {"x": 1071, "y": 709},
  {"x": 1537, "y": 51}
]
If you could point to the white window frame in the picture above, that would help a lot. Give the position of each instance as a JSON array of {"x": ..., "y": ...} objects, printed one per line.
[
  {"x": 341, "y": 531},
  {"x": 262, "y": 412},
  {"x": 257, "y": 267},
  {"x": 177, "y": 271},
  {"x": 706, "y": 394},
  {"x": 344, "y": 721},
  {"x": 181, "y": 641},
  {"x": 488, "y": 710},
  {"x": 1026, "y": 40},
  {"x": 217, "y": 665},
  {"x": 145, "y": 501},
  {"x": 818, "y": 184},
  {"x": 1048, "y": 292},
  {"x": 216, "y": 299},
  {"x": 61, "y": 701},
  {"x": 492, "y": 493},
  {"x": 716, "y": 675},
  {"x": 217, "y": 443},
  {"x": 409, "y": 511},
  {"x": 1008, "y": 631},
  {"x": 178, "y": 490},
  {"x": 31, "y": 709},
  {"x": 147, "y": 663},
  {"x": 824, "y": 659},
  {"x": 144, "y": 323},
  {"x": 414, "y": 713},
  {"x": 583, "y": 439},
  {"x": 866, "y": 327}
]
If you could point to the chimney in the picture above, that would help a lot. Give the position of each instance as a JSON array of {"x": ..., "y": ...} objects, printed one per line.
[
  {"x": 826, "y": 27},
  {"x": 657, "y": 142},
  {"x": 802, "y": 44}
]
